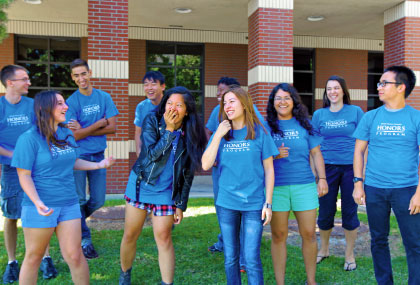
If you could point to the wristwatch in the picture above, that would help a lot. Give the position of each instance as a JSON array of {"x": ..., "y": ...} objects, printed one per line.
[
  {"x": 268, "y": 205},
  {"x": 357, "y": 179}
]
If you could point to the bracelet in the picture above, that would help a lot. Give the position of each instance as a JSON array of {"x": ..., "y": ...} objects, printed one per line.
[{"x": 268, "y": 205}]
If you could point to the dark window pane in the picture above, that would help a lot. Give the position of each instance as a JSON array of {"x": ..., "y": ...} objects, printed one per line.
[
  {"x": 375, "y": 62},
  {"x": 308, "y": 102},
  {"x": 190, "y": 78},
  {"x": 35, "y": 49},
  {"x": 38, "y": 73},
  {"x": 60, "y": 76},
  {"x": 302, "y": 59},
  {"x": 169, "y": 75},
  {"x": 374, "y": 102},
  {"x": 372, "y": 81},
  {"x": 32, "y": 92},
  {"x": 303, "y": 82},
  {"x": 160, "y": 54},
  {"x": 189, "y": 55},
  {"x": 64, "y": 50},
  {"x": 199, "y": 102}
]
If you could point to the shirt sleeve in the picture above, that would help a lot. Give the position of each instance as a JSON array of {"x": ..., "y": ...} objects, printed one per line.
[
  {"x": 269, "y": 147},
  {"x": 110, "y": 108},
  {"x": 257, "y": 112},
  {"x": 71, "y": 111},
  {"x": 359, "y": 114},
  {"x": 25, "y": 152},
  {"x": 138, "y": 118},
  {"x": 363, "y": 128},
  {"x": 213, "y": 121}
]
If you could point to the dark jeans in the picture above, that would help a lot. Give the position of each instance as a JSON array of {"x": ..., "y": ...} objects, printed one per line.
[
  {"x": 230, "y": 224},
  {"x": 338, "y": 177},
  {"x": 378, "y": 205}
]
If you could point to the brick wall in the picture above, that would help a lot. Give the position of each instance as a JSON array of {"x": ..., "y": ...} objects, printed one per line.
[
  {"x": 137, "y": 59},
  {"x": 7, "y": 51}
]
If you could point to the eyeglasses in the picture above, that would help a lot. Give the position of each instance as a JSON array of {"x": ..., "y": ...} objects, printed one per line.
[
  {"x": 21, "y": 79},
  {"x": 282, "y": 99},
  {"x": 384, "y": 83}
]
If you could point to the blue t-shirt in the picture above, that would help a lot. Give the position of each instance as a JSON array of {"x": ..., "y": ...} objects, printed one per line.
[
  {"x": 393, "y": 146},
  {"x": 87, "y": 110},
  {"x": 213, "y": 122},
  {"x": 51, "y": 171},
  {"x": 337, "y": 130},
  {"x": 240, "y": 162},
  {"x": 15, "y": 119},
  {"x": 142, "y": 110},
  {"x": 294, "y": 169}
]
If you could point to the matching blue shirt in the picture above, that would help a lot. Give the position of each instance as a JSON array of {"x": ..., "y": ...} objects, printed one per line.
[
  {"x": 337, "y": 129},
  {"x": 142, "y": 110},
  {"x": 241, "y": 171},
  {"x": 294, "y": 169},
  {"x": 15, "y": 119},
  {"x": 51, "y": 170},
  {"x": 87, "y": 110},
  {"x": 393, "y": 146}
]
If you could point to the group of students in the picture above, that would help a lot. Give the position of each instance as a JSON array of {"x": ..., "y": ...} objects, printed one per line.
[{"x": 262, "y": 170}]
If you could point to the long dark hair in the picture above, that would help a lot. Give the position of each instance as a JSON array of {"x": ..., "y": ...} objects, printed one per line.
[
  {"x": 44, "y": 104},
  {"x": 346, "y": 97},
  {"x": 191, "y": 125},
  {"x": 299, "y": 111},
  {"x": 250, "y": 116}
]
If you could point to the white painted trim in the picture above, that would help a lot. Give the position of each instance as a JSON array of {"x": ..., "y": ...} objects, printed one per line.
[
  {"x": 355, "y": 94},
  {"x": 2, "y": 88},
  {"x": 47, "y": 28},
  {"x": 183, "y": 35},
  {"x": 273, "y": 74},
  {"x": 417, "y": 73},
  {"x": 116, "y": 69},
  {"x": 118, "y": 149},
  {"x": 210, "y": 91},
  {"x": 402, "y": 10},
  {"x": 253, "y": 5},
  {"x": 136, "y": 89},
  {"x": 337, "y": 43}
]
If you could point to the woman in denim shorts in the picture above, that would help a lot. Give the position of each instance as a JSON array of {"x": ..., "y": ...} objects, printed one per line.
[
  {"x": 173, "y": 140},
  {"x": 45, "y": 157},
  {"x": 295, "y": 188}
]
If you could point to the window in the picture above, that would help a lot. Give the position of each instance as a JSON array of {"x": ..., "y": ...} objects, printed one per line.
[
  {"x": 48, "y": 61},
  {"x": 375, "y": 70},
  {"x": 182, "y": 64},
  {"x": 303, "y": 76}
]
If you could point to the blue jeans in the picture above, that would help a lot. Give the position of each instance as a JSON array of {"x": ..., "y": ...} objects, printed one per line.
[
  {"x": 230, "y": 224},
  {"x": 378, "y": 206},
  {"x": 338, "y": 177},
  {"x": 97, "y": 190}
]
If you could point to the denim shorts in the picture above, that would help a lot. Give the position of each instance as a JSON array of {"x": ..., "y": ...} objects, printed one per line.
[
  {"x": 158, "y": 210},
  {"x": 299, "y": 197},
  {"x": 31, "y": 218},
  {"x": 11, "y": 192}
]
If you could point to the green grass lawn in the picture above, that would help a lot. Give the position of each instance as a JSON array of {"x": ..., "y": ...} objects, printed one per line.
[{"x": 194, "y": 264}]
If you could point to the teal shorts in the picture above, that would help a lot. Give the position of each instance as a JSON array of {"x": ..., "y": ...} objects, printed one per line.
[{"x": 300, "y": 197}]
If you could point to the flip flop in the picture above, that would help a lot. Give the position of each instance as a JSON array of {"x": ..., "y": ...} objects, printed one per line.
[
  {"x": 322, "y": 258},
  {"x": 348, "y": 266}
]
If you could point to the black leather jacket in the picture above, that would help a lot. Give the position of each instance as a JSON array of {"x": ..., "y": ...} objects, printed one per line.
[{"x": 155, "y": 150}]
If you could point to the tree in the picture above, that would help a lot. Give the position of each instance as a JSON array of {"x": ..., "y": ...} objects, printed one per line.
[{"x": 3, "y": 18}]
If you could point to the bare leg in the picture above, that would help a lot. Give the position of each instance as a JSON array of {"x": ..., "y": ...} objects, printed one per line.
[
  {"x": 325, "y": 243},
  {"x": 69, "y": 236},
  {"x": 134, "y": 221},
  {"x": 279, "y": 232},
  {"x": 10, "y": 237},
  {"x": 350, "y": 242},
  {"x": 47, "y": 251},
  {"x": 36, "y": 241},
  {"x": 306, "y": 222},
  {"x": 162, "y": 230}
]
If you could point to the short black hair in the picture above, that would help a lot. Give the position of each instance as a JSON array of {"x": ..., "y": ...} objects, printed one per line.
[
  {"x": 404, "y": 75},
  {"x": 8, "y": 72},
  {"x": 228, "y": 81},
  {"x": 79, "y": 62},
  {"x": 154, "y": 76}
]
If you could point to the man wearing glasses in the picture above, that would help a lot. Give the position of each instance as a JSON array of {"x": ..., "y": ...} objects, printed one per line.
[
  {"x": 16, "y": 116},
  {"x": 392, "y": 133}
]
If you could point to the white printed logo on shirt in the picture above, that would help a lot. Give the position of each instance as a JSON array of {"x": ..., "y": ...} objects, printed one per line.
[
  {"x": 237, "y": 146},
  {"x": 91, "y": 109},
  {"x": 56, "y": 151},
  {"x": 290, "y": 134},
  {"x": 18, "y": 120},
  {"x": 334, "y": 124},
  {"x": 389, "y": 129}
]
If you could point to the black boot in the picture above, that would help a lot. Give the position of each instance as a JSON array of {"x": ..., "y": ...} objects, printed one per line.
[{"x": 125, "y": 277}]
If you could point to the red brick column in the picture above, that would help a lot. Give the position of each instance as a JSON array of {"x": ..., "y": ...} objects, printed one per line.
[
  {"x": 107, "y": 52},
  {"x": 270, "y": 48},
  {"x": 6, "y": 55},
  {"x": 402, "y": 43}
]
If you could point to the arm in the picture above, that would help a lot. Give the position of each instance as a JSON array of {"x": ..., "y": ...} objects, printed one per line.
[
  {"x": 28, "y": 186},
  {"x": 283, "y": 152},
  {"x": 318, "y": 161},
  {"x": 269, "y": 186},
  {"x": 358, "y": 166},
  {"x": 137, "y": 140},
  {"x": 110, "y": 128},
  {"x": 414, "y": 206},
  {"x": 81, "y": 164},
  {"x": 81, "y": 133},
  {"x": 209, "y": 156},
  {"x": 6, "y": 152}
]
